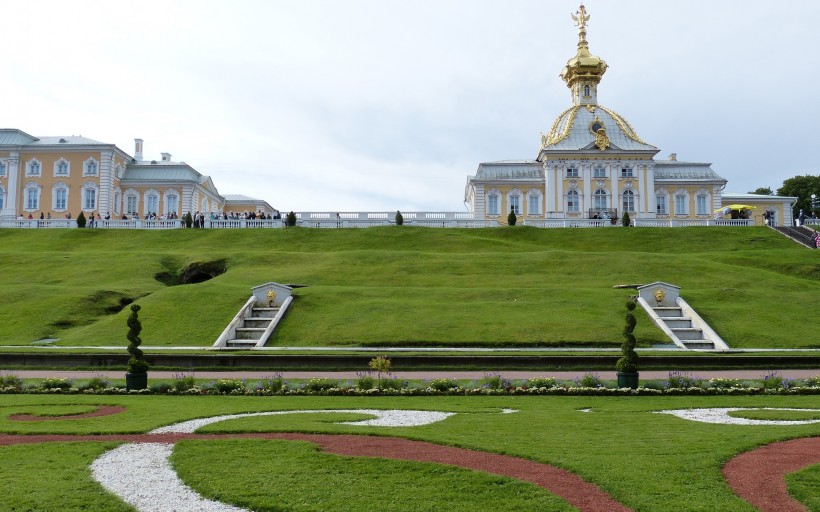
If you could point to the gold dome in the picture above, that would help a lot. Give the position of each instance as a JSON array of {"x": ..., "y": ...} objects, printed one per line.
[{"x": 584, "y": 66}]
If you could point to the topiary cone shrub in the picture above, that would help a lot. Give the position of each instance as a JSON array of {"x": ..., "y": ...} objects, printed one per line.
[
  {"x": 291, "y": 219},
  {"x": 511, "y": 218},
  {"x": 399, "y": 218},
  {"x": 81, "y": 220},
  {"x": 626, "y": 221},
  {"x": 136, "y": 364},
  {"x": 189, "y": 220},
  {"x": 628, "y": 363}
]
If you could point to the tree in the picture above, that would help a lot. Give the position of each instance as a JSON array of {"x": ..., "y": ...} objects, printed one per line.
[
  {"x": 628, "y": 363},
  {"x": 380, "y": 365},
  {"x": 763, "y": 191},
  {"x": 188, "y": 219},
  {"x": 625, "y": 220},
  {"x": 81, "y": 220},
  {"x": 511, "y": 218},
  {"x": 291, "y": 219},
  {"x": 399, "y": 218},
  {"x": 801, "y": 187},
  {"x": 136, "y": 364}
]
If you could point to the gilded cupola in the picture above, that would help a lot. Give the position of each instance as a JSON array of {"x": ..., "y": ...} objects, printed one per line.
[{"x": 584, "y": 71}]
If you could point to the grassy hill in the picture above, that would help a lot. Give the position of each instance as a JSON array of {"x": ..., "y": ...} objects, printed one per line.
[{"x": 406, "y": 286}]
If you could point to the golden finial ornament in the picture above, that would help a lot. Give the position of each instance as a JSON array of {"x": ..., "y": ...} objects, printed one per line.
[
  {"x": 581, "y": 17},
  {"x": 601, "y": 140},
  {"x": 660, "y": 295},
  {"x": 271, "y": 298}
]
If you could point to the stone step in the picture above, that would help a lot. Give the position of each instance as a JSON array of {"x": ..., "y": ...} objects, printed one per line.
[
  {"x": 260, "y": 323},
  {"x": 249, "y": 333},
  {"x": 236, "y": 343},
  {"x": 265, "y": 312},
  {"x": 688, "y": 334},
  {"x": 678, "y": 323},
  {"x": 670, "y": 312},
  {"x": 699, "y": 344}
]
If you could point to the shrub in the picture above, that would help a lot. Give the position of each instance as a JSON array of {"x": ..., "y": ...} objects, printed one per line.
[
  {"x": 812, "y": 381},
  {"x": 399, "y": 218},
  {"x": 511, "y": 218},
  {"x": 291, "y": 219},
  {"x": 629, "y": 360},
  {"x": 542, "y": 382},
  {"x": 136, "y": 364},
  {"x": 365, "y": 381},
  {"x": 229, "y": 385},
  {"x": 589, "y": 380},
  {"x": 495, "y": 381},
  {"x": 682, "y": 380},
  {"x": 9, "y": 380},
  {"x": 725, "y": 383},
  {"x": 318, "y": 385},
  {"x": 773, "y": 380},
  {"x": 96, "y": 384},
  {"x": 81, "y": 220},
  {"x": 56, "y": 383},
  {"x": 443, "y": 384},
  {"x": 393, "y": 383},
  {"x": 182, "y": 382},
  {"x": 273, "y": 384},
  {"x": 161, "y": 387},
  {"x": 188, "y": 220},
  {"x": 625, "y": 220}
]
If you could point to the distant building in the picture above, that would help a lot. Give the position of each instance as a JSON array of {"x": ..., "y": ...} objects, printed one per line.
[
  {"x": 60, "y": 176},
  {"x": 592, "y": 164}
]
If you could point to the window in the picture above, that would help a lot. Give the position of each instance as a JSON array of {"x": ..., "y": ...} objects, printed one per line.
[
  {"x": 515, "y": 204},
  {"x": 117, "y": 201},
  {"x": 90, "y": 167},
  {"x": 60, "y": 198},
  {"x": 629, "y": 201},
  {"x": 599, "y": 200},
  {"x": 2, "y": 168},
  {"x": 171, "y": 202},
  {"x": 89, "y": 198},
  {"x": 493, "y": 207},
  {"x": 130, "y": 204},
  {"x": 32, "y": 198},
  {"x": 534, "y": 203},
  {"x": 33, "y": 168},
  {"x": 61, "y": 167},
  {"x": 626, "y": 172},
  {"x": 151, "y": 204},
  {"x": 205, "y": 205},
  {"x": 599, "y": 172},
  {"x": 700, "y": 204},
  {"x": 572, "y": 173},
  {"x": 586, "y": 91},
  {"x": 662, "y": 204},
  {"x": 2, "y": 198},
  {"x": 573, "y": 202},
  {"x": 680, "y": 204}
]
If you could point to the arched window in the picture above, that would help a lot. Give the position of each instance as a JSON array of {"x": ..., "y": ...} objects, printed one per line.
[
  {"x": 33, "y": 167},
  {"x": 573, "y": 201},
  {"x": 32, "y": 197},
  {"x": 90, "y": 167},
  {"x": 586, "y": 90},
  {"x": 59, "y": 197},
  {"x": 90, "y": 197},
  {"x": 493, "y": 203},
  {"x": 600, "y": 201},
  {"x": 534, "y": 202},
  {"x": 628, "y": 201},
  {"x": 61, "y": 168},
  {"x": 205, "y": 208}
]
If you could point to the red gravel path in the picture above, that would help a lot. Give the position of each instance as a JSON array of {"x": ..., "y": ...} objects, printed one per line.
[
  {"x": 758, "y": 476},
  {"x": 103, "y": 410}
]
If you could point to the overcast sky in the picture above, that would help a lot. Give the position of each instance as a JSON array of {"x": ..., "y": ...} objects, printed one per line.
[{"x": 385, "y": 105}]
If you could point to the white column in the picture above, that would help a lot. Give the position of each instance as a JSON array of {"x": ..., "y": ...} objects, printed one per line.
[
  {"x": 616, "y": 171},
  {"x": 587, "y": 190},
  {"x": 104, "y": 204},
  {"x": 559, "y": 190},
  {"x": 549, "y": 187},
  {"x": 13, "y": 191}
]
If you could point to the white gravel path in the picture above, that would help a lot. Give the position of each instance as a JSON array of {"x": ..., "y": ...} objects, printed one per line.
[{"x": 721, "y": 415}]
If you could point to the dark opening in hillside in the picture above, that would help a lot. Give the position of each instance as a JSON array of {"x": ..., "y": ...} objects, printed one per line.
[{"x": 194, "y": 273}]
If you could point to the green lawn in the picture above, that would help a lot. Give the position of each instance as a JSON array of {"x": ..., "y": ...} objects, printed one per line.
[
  {"x": 649, "y": 462},
  {"x": 406, "y": 286}
]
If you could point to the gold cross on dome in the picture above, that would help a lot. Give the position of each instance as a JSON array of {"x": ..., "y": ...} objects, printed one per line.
[{"x": 581, "y": 17}]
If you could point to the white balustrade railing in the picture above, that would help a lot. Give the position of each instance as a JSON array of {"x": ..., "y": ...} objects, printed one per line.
[{"x": 339, "y": 220}]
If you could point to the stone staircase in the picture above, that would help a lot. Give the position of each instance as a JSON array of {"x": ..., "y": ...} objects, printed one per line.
[
  {"x": 802, "y": 235},
  {"x": 676, "y": 318},
  {"x": 254, "y": 324},
  {"x": 683, "y": 328},
  {"x": 252, "y": 328}
]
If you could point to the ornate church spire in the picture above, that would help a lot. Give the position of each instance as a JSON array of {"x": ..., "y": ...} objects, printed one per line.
[{"x": 584, "y": 71}]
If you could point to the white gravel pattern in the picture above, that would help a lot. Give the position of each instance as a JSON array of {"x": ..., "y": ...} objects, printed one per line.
[
  {"x": 159, "y": 489},
  {"x": 721, "y": 415}
]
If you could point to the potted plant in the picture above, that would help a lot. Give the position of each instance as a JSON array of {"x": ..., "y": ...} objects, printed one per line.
[
  {"x": 137, "y": 376},
  {"x": 627, "y": 365}
]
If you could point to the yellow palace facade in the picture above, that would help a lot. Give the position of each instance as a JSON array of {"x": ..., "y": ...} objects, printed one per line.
[
  {"x": 57, "y": 177},
  {"x": 593, "y": 165}
]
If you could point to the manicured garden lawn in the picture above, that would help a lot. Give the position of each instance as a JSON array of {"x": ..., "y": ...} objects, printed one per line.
[
  {"x": 648, "y": 462},
  {"x": 405, "y": 286}
]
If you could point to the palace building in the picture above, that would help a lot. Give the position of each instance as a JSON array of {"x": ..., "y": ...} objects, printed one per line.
[
  {"x": 61, "y": 176},
  {"x": 592, "y": 164}
]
